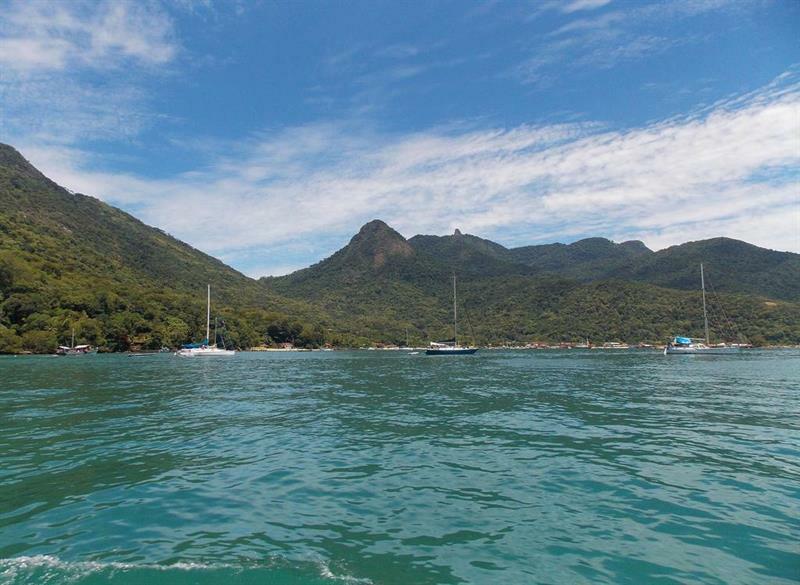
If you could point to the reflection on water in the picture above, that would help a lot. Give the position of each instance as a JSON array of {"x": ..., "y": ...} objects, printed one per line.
[{"x": 511, "y": 467}]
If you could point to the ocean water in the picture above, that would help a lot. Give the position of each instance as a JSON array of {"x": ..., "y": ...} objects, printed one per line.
[{"x": 388, "y": 468}]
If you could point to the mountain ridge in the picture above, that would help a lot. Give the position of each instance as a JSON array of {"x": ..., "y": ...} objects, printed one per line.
[
  {"x": 69, "y": 260},
  {"x": 739, "y": 266},
  {"x": 511, "y": 298}
]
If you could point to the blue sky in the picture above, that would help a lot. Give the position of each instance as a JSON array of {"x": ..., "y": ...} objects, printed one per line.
[{"x": 267, "y": 133}]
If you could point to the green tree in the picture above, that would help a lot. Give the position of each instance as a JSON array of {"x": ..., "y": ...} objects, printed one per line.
[
  {"x": 10, "y": 342},
  {"x": 39, "y": 341},
  {"x": 173, "y": 332},
  {"x": 284, "y": 331},
  {"x": 311, "y": 337}
]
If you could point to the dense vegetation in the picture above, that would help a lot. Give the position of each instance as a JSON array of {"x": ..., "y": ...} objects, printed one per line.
[
  {"x": 384, "y": 287},
  {"x": 70, "y": 261},
  {"x": 734, "y": 266}
]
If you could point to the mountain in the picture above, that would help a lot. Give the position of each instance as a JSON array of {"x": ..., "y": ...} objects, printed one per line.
[
  {"x": 381, "y": 286},
  {"x": 375, "y": 256},
  {"x": 376, "y": 248},
  {"x": 730, "y": 266},
  {"x": 373, "y": 284},
  {"x": 69, "y": 231},
  {"x": 68, "y": 260},
  {"x": 71, "y": 261},
  {"x": 468, "y": 255},
  {"x": 587, "y": 259}
]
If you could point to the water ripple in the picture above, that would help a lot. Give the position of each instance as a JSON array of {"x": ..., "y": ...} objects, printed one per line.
[{"x": 369, "y": 467}]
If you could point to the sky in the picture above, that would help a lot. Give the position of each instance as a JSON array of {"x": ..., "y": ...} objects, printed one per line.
[{"x": 266, "y": 133}]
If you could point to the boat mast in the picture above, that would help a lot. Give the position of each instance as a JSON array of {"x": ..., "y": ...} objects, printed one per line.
[
  {"x": 705, "y": 314},
  {"x": 73, "y": 338},
  {"x": 208, "y": 314},
  {"x": 455, "y": 314}
]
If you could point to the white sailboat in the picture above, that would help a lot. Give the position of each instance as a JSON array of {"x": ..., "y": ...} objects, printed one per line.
[
  {"x": 447, "y": 348},
  {"x": 691, "y": 346},
  {"x": 73, "y": 349},
  {"x": 204, "y": 349}
]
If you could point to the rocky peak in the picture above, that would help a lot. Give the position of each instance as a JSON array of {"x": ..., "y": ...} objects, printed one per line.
[{"x": 375, "y": 242}]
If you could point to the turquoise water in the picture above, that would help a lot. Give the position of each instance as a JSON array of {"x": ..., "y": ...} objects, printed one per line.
[{"x": 386, "y": 468}]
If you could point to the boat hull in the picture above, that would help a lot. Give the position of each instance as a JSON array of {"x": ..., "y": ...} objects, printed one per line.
[
  {"x": 700, "y": 350},
  {"x": 205, "y": 353},
  {"x": 452, "y": 351}
]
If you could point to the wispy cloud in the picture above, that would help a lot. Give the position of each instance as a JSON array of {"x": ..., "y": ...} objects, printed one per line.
[
  {"x": 64, "y": 110},
  {"x": 725, "y": 170},
  {"x": 36, "y": 36},
  {"x": 589, "y": 24},
  {"x": 372, "y": 76},
  {"x": 61, "y": 68},
  {"x": 612, "y": 54},
  {"x": 577, "y": 5},
  {"x": 606, "y": 39},
  {"x": 544, "y": 7}
]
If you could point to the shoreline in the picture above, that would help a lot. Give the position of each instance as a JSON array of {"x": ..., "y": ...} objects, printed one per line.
[{"x": 654, "y": 348}]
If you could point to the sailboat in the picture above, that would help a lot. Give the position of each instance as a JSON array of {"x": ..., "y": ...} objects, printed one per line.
[
  {"x": 691, "y": 346},
  {"x": 74, "y": 349},
  {"x": 204, "y": 349},
  {"x": 447, "y": 348}
]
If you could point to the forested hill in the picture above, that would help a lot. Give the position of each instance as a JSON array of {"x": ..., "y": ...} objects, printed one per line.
[
  {"x": 71, "y": 261},
  {"x": 68, "y": 260},
  {"x": 73, "y": 231},
  {"x": 588, "y": 259},
  {"x": 382, "y": 286},
  {"x": 731, "y": 265}
]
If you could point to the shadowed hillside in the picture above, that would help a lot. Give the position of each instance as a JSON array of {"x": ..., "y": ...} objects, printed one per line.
[
  {"x": 588, "y": 259},
  {"x": 68, "y": 260},
  {"x": 731, "y": 266}
]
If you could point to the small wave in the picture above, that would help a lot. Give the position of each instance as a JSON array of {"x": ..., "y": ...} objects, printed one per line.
[
  {"x": 51, "y": 562},
  {"x": 42, "y": 567},
  {"x": 15, "y": 568},
  {"x": 326, "y": 573}
]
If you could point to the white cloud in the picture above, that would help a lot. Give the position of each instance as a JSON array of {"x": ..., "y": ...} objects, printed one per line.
[
  {"x": 42, "y": 36},
  {"x": 583, "y": 24},
  {"x": 60, "y": 68},
  {"x": 723, "y": 171},
  {"x": 577, "y": 5},
  {"x": 777, "y": 228},
  {"x": 48, "y": 108}
]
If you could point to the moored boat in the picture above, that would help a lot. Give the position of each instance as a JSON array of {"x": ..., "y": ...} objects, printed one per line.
[
  {"x": 693, "y": 346},
  {"x": 204, "y": 349},
  {"x": 73, "y": 349},
  {"x": 689, "y": 345},
  {"x": 448, "y": 347}
]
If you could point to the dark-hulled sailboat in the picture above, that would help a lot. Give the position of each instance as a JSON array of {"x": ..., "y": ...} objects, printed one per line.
[{"x": 447, "y": 347}]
